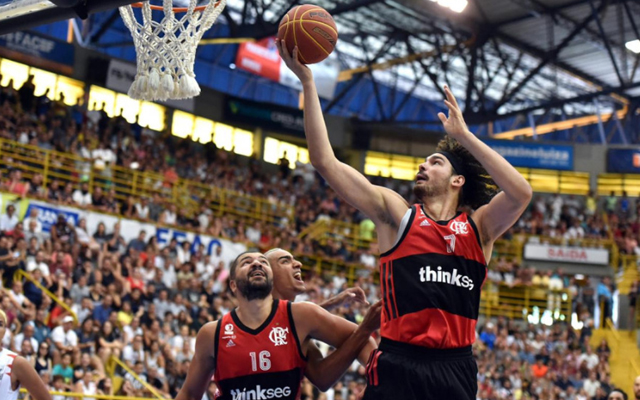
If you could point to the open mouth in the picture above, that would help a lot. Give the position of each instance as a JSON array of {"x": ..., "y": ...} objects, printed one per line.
[
  {"x": 298, "y": 276},
  {"x": 421, "y": 178},
  {"x": 257, "y": 272}
]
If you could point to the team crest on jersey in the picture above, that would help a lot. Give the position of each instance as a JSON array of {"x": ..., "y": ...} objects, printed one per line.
[
  {"x": 279, "y": 336},
  {"x": 228, "y": 332},
  {"x": 459, "y": 227}
]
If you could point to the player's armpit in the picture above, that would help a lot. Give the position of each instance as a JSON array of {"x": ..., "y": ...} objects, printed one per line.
[{"x": 202, "y": 365}]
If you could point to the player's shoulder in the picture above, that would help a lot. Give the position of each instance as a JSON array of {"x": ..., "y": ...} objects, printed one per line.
[{"x": 208, "y": 330}]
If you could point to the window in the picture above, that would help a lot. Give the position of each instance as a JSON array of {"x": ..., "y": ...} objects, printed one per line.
[
  {"x": 43, "y": 81},
  {"x": 243, "y": 142},
  {"x": 552, "y": 181},
  {"x": 12, "y": 70},
  {"x": 99, "y": 96},
  {"x": 391, "y": 165},
  {"x": 73, "y": 90},
  {"x": 204, "y": 130},
  {"x": 150, "y": 115},
  {"x": 275, "y": 149},
  {"x": 619, "y": 183}
]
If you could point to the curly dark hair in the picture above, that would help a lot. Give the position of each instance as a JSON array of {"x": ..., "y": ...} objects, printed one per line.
[{"x": 479, "y": 188}]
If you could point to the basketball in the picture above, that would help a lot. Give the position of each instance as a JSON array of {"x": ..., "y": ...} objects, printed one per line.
[{"x": 312, "y": 29}]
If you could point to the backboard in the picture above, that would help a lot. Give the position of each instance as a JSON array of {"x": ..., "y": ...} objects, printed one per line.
[{"x": 23, "y": 14}]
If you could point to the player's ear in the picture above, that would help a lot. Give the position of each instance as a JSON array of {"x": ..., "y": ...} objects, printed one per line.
[
  {"x": 458, "y": 180},
  {"x": 233, "y": 286}
]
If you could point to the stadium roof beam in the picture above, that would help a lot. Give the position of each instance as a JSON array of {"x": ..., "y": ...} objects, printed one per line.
[
  {"x": 551, "y": 56},
  {"x": 606, "y": 41},
  {"x": 80, "y": 9}
]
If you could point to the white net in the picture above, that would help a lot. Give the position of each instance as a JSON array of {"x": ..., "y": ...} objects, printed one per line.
[{"x": 166, "y": 50}]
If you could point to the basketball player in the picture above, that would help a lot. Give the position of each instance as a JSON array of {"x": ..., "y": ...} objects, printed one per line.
[
  {"x": 16, "y": 372},
  {"x": 287, "y": 284},
  {"x": 433, "y": 258},
  {"x": 257, "y": 351}
]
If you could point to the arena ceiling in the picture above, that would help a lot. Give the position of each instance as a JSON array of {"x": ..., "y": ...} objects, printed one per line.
[{"x": 501, "y": 57}]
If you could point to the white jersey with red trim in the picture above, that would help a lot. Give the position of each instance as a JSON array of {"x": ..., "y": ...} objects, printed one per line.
[{"x": 6, "y": 364}]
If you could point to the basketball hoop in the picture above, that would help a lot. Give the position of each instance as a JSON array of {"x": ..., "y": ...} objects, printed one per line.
[{"x": 166, "y": 50}]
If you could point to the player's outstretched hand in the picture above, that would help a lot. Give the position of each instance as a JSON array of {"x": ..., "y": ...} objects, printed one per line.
[
  {"x": 454, "y": 125},
  {"x": 371, "y": 321},
  {"x": 293, "y": 63}
]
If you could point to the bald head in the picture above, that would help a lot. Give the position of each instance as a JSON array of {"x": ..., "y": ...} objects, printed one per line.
[
  {"x": 3, "y": 317},
  {"x": 287, "y": 274}
]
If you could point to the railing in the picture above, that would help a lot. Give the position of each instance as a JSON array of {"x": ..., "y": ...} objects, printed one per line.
[
  {"x": 348, "y": 233},
  {"x": 46, "y": 291},
  {"x": 72, "y": 395},
  {"x": 115, "y": 361},
  {"x": 186, "y": 194},
  {"x": 518, "y": 302}
]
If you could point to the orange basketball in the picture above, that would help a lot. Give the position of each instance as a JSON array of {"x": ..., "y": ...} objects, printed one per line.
[{"x": 312, "y": 29}]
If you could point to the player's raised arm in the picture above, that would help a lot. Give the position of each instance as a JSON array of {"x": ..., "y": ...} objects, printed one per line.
[
  {"x": 202, "y": 365},
  {"x": 378, "y": 203},
  {"x": 506, "y": 207},
  {"x": 315, "y": 322}
]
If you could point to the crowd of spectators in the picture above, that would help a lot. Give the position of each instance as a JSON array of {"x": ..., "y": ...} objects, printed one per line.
[{"x": 144, "y": 303}]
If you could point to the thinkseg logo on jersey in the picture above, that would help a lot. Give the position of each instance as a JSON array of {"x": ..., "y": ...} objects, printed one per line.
[
  {"x": 279, "y": 335},
  {"x": 459, "y": 227},
  {"x": 452, "y": 278},
  {"x": 260, "y": 394}
]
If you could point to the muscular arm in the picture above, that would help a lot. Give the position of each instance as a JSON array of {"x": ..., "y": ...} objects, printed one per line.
[
  {"x": 28, "y": 378},
  {"x": 506, "y": 207},
  {"x": 315, "y": 322},
  {"x": 380, "y": 204},
  {"x": 202, "y": 365},
  {"x": 324, "y": 372}
]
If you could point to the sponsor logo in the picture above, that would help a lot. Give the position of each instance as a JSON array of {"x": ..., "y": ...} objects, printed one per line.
[
  {"x": 279, "y": 336},
  {"x": 459, "y": 227},
  {"x": 425, "y": 223},
  {"x": 230, "y": 344},
  {"x": 452, "y": 278},
  {"x": 260, "y": 394}
]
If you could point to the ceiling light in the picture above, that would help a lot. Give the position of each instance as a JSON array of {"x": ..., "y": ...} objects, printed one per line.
[
  {"x": 634, "y": 46},
  {"x": 454, "y": 5}
]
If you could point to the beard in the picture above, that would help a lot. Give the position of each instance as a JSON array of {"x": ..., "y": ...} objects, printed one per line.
[
  {"x": 429, "y": 190},
  {"x": 255, "y": 290}
]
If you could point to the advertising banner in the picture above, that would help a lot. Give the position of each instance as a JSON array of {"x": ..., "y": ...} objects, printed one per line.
[
  {"x": 623, "y": 161},
  {"x": 579, "y": 255},
  {"x": 130, "y": 229},
  {"x": 262, "y": 58},
  {"x": 534, "y": 155},
  {"x": 38, "y": 50}
]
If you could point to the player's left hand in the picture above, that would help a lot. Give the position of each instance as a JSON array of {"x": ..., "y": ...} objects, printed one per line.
[
  {"x": 454, "y": 125},
  {"x": 354, "y": 294}
]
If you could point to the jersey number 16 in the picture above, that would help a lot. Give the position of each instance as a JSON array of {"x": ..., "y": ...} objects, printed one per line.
[{"x": 265, "y": 363}]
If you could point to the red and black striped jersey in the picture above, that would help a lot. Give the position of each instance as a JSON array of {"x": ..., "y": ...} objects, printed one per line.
[
  {"x": 262, "y": 363},
  {"x": 431, "y": 280}
]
